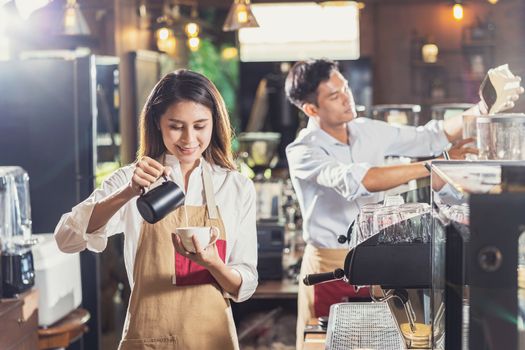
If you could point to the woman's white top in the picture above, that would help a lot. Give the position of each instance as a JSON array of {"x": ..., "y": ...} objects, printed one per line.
[{"x": 234, "y": 195}]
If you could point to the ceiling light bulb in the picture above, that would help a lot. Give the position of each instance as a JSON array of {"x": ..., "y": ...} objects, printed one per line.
[
  {"x": 229, "y": 53},
  {"x": 191, "y": 29},
  {"x": 69, "y": 18},
  {"x": 73, "y": 22},
  {"x": 457, "y": 11},
  {"x": 242, "y": 14},
  {"x": 194, "y": 43},
  {"x": 163, "y": 33},
  {"x": 493, "y": 2}
]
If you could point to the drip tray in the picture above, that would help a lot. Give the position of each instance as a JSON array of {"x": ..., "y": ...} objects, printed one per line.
[{"x": 363, "y": 326}]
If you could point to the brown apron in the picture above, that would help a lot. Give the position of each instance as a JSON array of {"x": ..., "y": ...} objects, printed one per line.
[
  {"x": 183, "y": 309},
  {"x": 315, "y": 301}
]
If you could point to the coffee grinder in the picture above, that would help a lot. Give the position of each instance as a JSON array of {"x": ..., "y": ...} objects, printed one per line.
[
  {"x": 17, "y": 271},
  {"x": 258, "y": 151}
]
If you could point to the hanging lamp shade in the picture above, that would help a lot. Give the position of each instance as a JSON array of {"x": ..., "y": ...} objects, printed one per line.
[
  {"x": 74, "y": 22},
  {"x": 240, "y": 16}
]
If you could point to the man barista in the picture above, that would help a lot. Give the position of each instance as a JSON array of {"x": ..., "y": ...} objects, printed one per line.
[{"x": 336, "y": 166}]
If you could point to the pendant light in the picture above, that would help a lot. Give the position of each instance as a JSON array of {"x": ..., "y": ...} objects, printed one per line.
[
  {"x": 457, "y": 11},
  {"x": 164, "y": 34},
  {"x": 240, "y": 16},
  {"x": 192, "y": 28},
  {"x": 74, "y": 22}
]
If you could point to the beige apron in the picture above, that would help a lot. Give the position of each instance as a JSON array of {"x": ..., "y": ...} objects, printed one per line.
[
  {"x": 314, "y": 301},
  {"x": 162, "y": 315}
]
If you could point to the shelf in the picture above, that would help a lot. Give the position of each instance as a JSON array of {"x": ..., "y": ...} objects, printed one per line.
[
  {"x": 434, "y": 101},
  {"x": 478, "y": 44},
  {"x": 470, "y": 76},
  {"x": 418, "y": 63},
  {"x": 281, "y": 289}
]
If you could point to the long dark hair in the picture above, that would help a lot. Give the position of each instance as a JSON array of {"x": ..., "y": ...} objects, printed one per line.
[{"x": 184, "y": 85}]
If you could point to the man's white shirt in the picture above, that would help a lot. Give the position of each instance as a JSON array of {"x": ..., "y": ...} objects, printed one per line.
[{"x": 327, "y": 174}]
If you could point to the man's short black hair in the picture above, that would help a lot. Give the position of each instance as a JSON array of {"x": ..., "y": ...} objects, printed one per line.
[{"x": 304, "y": 78}]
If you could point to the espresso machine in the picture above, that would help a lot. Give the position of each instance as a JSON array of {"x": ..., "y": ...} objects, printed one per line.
[
  {"x": 258, "y": 151},
  {"x": 390, "y": 249},
  {"x": 17, "y": 270},
  {"x": 478, "y": 254},
  {"x": 457, "y": 284}
]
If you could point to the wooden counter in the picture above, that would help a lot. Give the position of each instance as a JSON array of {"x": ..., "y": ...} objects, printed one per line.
[
  {"x": 283, "y": 289},
  {"x": 19, "y": 322},
  {"x": 314, "y": 341},
  {"x": 64, "y": 332}
]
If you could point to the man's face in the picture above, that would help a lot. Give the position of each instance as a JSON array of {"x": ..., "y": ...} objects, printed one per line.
[{"x": 335, "y": 102}]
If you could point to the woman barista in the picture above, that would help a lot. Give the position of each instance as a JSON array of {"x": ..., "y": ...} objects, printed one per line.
[{"x": 185, "y": 133}]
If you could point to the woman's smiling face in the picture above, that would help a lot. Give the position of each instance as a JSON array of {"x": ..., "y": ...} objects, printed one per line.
[{"x": 186, "y": 129}]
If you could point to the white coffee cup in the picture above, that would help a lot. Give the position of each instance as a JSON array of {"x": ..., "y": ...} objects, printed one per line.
[{"x": 205, "y": 235}]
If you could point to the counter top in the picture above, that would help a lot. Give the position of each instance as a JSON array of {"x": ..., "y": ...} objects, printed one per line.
[{"x": 281, "y": 289}]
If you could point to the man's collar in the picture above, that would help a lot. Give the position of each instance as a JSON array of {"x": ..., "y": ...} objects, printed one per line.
[{"x": 314, "y": 126}]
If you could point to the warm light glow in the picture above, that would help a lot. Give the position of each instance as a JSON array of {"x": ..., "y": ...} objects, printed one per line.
[
  {"x": 242, "y": 14},
  {"x": 430, "y": 53},
  {"x": 239, "y": 16},
  {"x": 361, "y": 5},
  {"x": 70, "y": 19},
  {"x": 194, "y": 43},
  {"x": 229, "y": 53},
  {"x": 191, "y": 29},
  {"x": 493, "y": 2},
  {"x": 169, "y": 45},
  {"x": 166, "y": 41},
  {"x": 163, "y": 33},
  {"x": 457, "y": 10},
  {"x": 317, "y": 31},
  {"x": 73, "y": 20}
]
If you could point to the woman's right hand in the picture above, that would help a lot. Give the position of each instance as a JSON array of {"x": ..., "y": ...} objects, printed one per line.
[{"x": 147, "y": 171}]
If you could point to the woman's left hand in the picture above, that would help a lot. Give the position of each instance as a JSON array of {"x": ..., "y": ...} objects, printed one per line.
[{"x": 207, "y": 257}]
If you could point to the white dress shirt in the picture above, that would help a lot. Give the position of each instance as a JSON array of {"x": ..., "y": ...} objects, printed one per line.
[
  {"x": 234, "y": 195},
  {"x": 327, "y": 174}
]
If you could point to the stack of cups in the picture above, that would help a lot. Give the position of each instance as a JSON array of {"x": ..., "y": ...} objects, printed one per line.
[{"x": 365, "y": 221}]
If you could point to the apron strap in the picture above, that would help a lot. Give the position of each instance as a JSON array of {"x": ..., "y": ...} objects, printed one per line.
[{"x": 208, "y": 192}]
